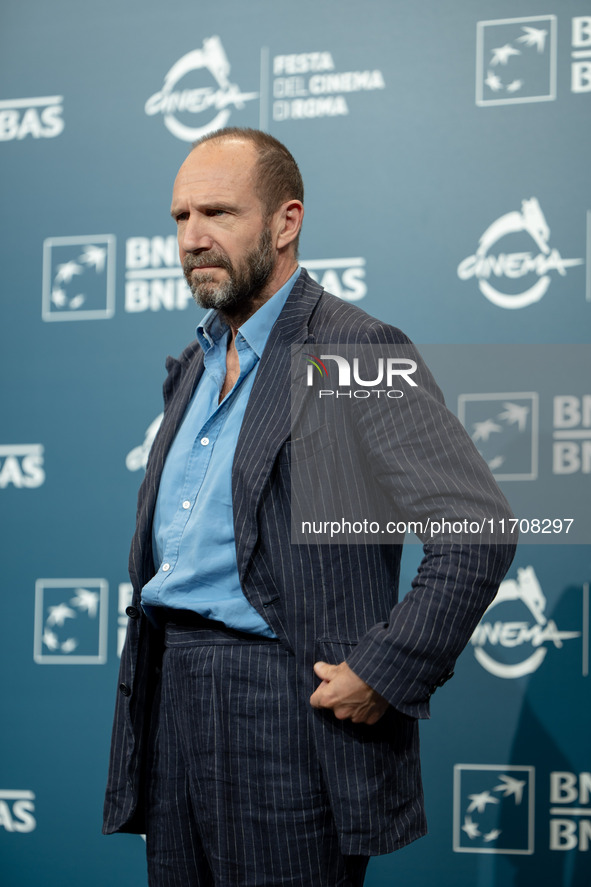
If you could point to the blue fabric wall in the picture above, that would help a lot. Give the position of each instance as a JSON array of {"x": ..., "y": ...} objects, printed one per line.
[{"x": 445, "y": 151}]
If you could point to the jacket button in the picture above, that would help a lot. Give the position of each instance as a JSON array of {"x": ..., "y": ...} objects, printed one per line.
[
  {"x": 125, "y": 689},
  {"x": 132, "y": 612}
]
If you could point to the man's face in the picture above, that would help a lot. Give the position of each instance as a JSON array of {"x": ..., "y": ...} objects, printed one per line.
[{"x": 225, "y": 246}]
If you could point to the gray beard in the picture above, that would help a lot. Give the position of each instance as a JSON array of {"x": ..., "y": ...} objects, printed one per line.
[{"x": 236, "y": 295}]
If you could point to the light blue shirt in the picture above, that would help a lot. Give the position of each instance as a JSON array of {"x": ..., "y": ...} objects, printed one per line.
[{"x": 193, "y": 527}]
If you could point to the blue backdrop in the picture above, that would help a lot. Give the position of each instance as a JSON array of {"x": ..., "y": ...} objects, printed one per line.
[{"x": 445, "y": 151}]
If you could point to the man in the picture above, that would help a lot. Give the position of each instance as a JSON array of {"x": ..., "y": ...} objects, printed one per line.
[{"x": 266, "y": 722}]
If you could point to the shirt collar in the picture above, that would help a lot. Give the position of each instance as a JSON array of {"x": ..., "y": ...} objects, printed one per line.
[{"x": 255, "y": 331}]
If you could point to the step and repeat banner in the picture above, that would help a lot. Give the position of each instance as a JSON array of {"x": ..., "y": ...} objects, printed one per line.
[{"x": 445, "y": 152}]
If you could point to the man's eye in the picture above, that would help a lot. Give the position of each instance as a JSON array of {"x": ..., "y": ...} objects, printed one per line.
[
  {"x": 181, "y": 217},
  {"x": 216, "y": 212}
]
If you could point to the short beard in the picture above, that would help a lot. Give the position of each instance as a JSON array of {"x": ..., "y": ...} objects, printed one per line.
[{"x": 235, "y": 297}]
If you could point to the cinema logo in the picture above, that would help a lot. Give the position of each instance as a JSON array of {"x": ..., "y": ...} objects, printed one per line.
[
  {"x": 17, "y": 808},
  {"x": 21, "y": 466},
  {"x": 517, "y": 644},
  {"x": 39, "y": 117},
  {"x": 198, "y": 86},
  {"x": 526, "y": 271},
  {"x": 571, "y": 449},
  {"x": 387, "y": 371}
]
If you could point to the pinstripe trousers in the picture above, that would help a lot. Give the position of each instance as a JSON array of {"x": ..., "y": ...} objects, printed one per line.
[{"x": 235, "y": 794}]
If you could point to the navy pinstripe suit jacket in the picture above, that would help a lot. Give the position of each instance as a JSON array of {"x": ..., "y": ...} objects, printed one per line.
[{"x": 329, "y": 602}]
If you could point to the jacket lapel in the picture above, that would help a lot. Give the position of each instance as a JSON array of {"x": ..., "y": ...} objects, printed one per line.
[{"x": 267, "y": 420}]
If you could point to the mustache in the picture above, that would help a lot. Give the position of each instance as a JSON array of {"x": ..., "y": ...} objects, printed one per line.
[{"x": 203, "y": 260}]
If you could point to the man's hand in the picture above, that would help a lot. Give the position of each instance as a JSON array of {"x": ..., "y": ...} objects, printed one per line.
[{"x": 346, "y": 694}]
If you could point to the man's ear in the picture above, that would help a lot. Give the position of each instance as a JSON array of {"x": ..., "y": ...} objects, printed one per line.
[{"x": 289, "y": 222}]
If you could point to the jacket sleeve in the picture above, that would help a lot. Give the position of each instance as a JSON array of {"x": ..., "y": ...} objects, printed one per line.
[{"x": 426, "y": 463}]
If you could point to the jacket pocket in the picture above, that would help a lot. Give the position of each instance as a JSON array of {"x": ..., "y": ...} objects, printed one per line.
[
  {"x": 308, "y": 446},
  {"x": 392, "y": 724},
  {"x": 372, "y": 772}
]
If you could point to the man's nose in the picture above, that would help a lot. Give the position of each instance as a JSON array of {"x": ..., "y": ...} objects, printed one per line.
[{"x": 194, "y": 237}]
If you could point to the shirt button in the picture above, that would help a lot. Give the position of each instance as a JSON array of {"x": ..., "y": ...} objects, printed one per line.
[
  {"x": 165, "y": 568},
  {"x": 186, "y": 504},
  {"x": 204, "y": 441}
]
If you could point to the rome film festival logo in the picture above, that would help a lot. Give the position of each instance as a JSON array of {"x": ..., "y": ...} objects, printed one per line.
[
  {"x": 71, "y": 621},
  {"x": 79, "y": 277},
  {"x": 516, "y": 60},
  {"x": 493, "y": 809},
  {"x": 306, "y": 85},
  {"x": 529, "y": 223},
  {"x": 212, "y": 103},
  {"x": 516, "y": 646},
  {"x": 504, "y": 428}
]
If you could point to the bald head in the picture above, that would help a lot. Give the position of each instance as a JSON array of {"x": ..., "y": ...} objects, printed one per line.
[
  {"x": 236, "y": 250},
  {"x": 277, "y": 178}
]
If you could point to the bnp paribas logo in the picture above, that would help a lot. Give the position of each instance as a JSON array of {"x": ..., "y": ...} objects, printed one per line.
[
  {"x": 71, "y": 621},
  {"x": 504, "y": 427},
  {"x": 79, "y": 277},
  {"x": 493, "y": 809},
  {"x": 516, "y": 60}
]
